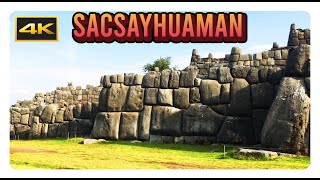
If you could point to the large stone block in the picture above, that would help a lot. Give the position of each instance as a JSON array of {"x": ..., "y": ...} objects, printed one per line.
[
  {"x": 274, "y": 75},
  {"x": 144, "y": 123},
  {"x": 120, "y": 78},
  {"x": 63, "y": 129},
  {"x": 181, "y": 98},
  {"x": 68, "y": 114},
  {"x": 165, "y": 97},
  {"x": 203, "y": 140},
  {"x": 288, "y": 117},
  {"x": 86, "y": 111},
  {"x": 128, "y": 79},
  {"x": 174, "y": 80},
  {"x": 129, "y": 126},
  {"x": 165, "y": 76},
  {"x": 236, "y": 130},
  {"x": 213, "y": 73},
  {"x": 225, "y": 94},
  {"x": 22, "y": 131},
  {"x": 106, "y": 125},
  {"x": 195, "y": 95},
  {"x": 187, "y": 77},
  {"x": 240, "y": 100},
  {"x": 12, "y": 131},
  {"x": 84, "y": 127},
  {"x": 52, "y": 130},
  {"x": 240, "y": 71},
  {"x": 224, "y": 75},
  {"x": 24, "y": 119},
  {"x": 263, "y": 74},
  {"x": 103, "y": 99},
  {"x": 106, "y": 81},
  {"x": 44, "y": 130},
  {"x": 297, "y": 62},
  {"x": 48, "y": 114},
  {"x": 15, "y": 116},
  {"x": 259, "y": 116},
  {"x": 210, "y": 92},
  {"x": 135, "y": 98},
  {"x": 77, "y": 111},
  {"x": 117, "y": 96},
  {"x": 166, "y": 121},
  {"x": 95, "y": 110},
  {"x": 201, "y": 120},
  {"x": 138, "y": 79},
  {"x": 148, "y": 80},
  {"x": 151, "y": 96},
  {"x": 262, "y": 95},
  {"x": 59, "y": 116}
]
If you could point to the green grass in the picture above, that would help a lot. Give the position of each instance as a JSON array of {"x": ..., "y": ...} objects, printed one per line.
[{"x": 69, "y": 154}]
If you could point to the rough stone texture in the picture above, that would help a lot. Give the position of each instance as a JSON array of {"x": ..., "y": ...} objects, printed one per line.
[
  {"x": 106, "y": 125},
  {"x": 151, "y": 96},
  {"x": 86, "y": 111},
  {"x": 148, "y": 79},
  {"x": 52, "y": 130},
  {"x": 253, "y": 76},
  {"x": 284, "y": 53},
  {"x": 205, "y": 140},
  {"x": 114, "y": 78},
  {"x": 297, "y": 62},
  {"x": 128, "y": 79},
  {"x": 236, "y": 50},
  {"x": 120, "y": 78},
  {"x": 240, "y": 71},
  {"x": 144, "y": 123},
  {"x": 48, "y": 114},
  {"x": 138, "y": 79},
  {"x": 63, "y": 129},
  {"x": 240, "y": 100},
  {"x": 263, "y": 74},
  {"x": 225, "y": 94},
  {"x": 103, "y": 99},
  {"x": 187, "y": 78},
  {"x": 234, "y": 58},
  {"x": 117, "y": 96},
  {"x": 59, "y": 116},
  {"x": 166, "y": 121},
  {"x": 221, "y": 109},
  {"x": 129, "y": 126},
  {"x": 194, "y": 95},
  {"x": 106, "y": 81},
  {"x": 236, "y": 130},
  {"x": 259, "y": 116},
  {"x": 277, "y": 55},
  {"x": 257, "y": 153},
  {"x": 174, "y": 80},
  {"x": 274, "y": 75},
  {"x": 244, "y": 57},
  {"x": 77, "y": 111},
  {"x": 15, "y": 117},
  {"x": 197, "y": 82},
  {"x": 12, "y": 131},
  {"x": 201, "y": 120},
  {"x": 288, "y": 117},
  {"x": 213, "y": 73},
  {"x": 24, "y": 119},
  {"x": 307, "y": 82},
  {"x": 35, "y": 131},
  {"x": 165, "y": 76},
  {"x": 95, "y": 110},
  {"x": 68, "y": 114},
  {"x": 181, "y": 98},
  {"x": 44, "y": 130},
  {"x": 262, "y": 95},
  {"x": 92, "y": 141},
  {"x": 135, "y": 98},
  {"x": 165, "y": 97},
  {"x": 22, "y": 131},
  {"x": 224, "y": 75},
  {"x": 210, "y": 92}
]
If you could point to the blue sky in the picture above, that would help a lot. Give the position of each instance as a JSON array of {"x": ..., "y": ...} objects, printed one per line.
[{"x": 41, "y": 67}]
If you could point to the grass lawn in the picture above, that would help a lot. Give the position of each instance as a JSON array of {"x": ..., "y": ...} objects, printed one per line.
[{"x": 69, "y": 154}]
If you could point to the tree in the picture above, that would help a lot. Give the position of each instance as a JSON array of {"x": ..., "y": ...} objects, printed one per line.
[{"x": 161, "y": 63}]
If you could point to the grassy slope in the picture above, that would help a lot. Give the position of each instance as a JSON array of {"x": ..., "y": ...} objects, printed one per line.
[{"x": 69, "y": 154}]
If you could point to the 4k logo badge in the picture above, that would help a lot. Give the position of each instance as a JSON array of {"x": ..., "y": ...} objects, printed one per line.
[{"x": 35, "y": 29}]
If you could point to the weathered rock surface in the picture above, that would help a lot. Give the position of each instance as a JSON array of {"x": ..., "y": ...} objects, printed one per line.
[
  {"x": 135, "y": 98},
  {"x": 201, "y": 120},
  {"x": 117, "y": 96},
  {"x": 106, "y": 125},
  {"x": 48, "y": 114},
  {"x": 240, "y": 103},
  {"x": 129, "y": 126},
  {"x": 165, "y": 97},
  {"x": 288, "y": 117},
  {"x": 144, "y": 123},
  {"x": 151, "y": 96},
  {"x": 210, "y": 92},
  {"x": 262, "y": 95},
  {"x": 297, "y": 62},
  {"x": 181, "y": 98}
]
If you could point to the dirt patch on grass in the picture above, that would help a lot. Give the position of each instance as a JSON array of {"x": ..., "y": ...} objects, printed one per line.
[
  {"x": 172, "y": 165},
  {"x": 30, "y": 150}
]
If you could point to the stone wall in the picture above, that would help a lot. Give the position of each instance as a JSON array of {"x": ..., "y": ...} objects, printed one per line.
[{"x": 223, "y": 100}]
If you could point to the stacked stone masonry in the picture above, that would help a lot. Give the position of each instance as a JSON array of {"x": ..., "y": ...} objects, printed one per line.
[{"x": 214, "y": 100}]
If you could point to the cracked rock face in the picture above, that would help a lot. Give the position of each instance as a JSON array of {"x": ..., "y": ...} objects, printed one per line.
[{"x": 288, "y": 117}]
